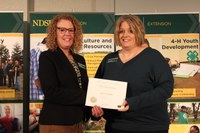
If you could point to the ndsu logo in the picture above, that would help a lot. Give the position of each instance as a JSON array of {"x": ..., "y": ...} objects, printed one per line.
[{"x": 40, "y": 22}]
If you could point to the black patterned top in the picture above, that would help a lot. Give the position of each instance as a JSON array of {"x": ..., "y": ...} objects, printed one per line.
[{"x": 78, "y": 73}]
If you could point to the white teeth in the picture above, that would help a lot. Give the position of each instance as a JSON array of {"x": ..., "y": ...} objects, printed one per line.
[{"x": 66, "y": 39}]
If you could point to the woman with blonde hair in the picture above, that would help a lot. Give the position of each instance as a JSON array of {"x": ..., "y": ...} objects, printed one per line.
[{"x": 149, "y": 78}]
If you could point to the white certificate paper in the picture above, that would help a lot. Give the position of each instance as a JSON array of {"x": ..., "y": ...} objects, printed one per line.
[{"x": 108, "y": 94}]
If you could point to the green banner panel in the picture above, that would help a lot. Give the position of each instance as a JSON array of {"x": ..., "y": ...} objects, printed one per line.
[
  {"x": 11, "y": 22},
  {"x": 104, "y": 23},
  {"x": 170, "y": 23}
]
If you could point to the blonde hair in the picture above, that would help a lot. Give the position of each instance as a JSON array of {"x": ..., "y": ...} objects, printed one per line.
[
  {"x": 52, "y": 36},
  {"x": 6, "y": 107},
  {"x": 135, "y": 24}
]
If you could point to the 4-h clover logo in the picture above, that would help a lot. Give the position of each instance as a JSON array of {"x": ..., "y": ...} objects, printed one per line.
[{"x": 192, "y": 56}]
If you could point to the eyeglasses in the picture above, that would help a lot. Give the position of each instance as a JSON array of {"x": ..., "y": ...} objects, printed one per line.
[{"x": 64, "y": 30}]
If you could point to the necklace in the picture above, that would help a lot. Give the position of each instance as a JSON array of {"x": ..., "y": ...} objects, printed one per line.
[
  {"x": 126, "y": 56},
  {"x": 69, "y": 56}
]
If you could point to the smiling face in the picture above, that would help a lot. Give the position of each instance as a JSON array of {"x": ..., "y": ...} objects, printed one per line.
[
  {"x": 7, "y": 111},
  {"x": 126, "y": 35},
  {"x": 194, "y": 129},
  {"x": 129, "y": 26},
  {"x": 65, "y": 34}
]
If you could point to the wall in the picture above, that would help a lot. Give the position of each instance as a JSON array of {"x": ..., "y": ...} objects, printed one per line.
[
  {"x": 118, "y": 6},
  {"x": 157, "y": 6}
]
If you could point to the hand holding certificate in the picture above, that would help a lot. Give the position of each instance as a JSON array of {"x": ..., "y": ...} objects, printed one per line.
[{"x": 106, "y": 93}]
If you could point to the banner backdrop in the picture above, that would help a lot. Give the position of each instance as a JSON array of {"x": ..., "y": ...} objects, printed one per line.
[
  {"x": 11, "y": 71},
  {"x": 98, "y": 41},
  {"x": 176, "y": 36}
]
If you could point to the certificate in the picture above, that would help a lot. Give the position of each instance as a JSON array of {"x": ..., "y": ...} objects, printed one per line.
[{"x": 108, "y": 94}]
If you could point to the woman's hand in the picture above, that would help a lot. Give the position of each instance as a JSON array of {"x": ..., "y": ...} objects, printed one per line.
[
  {"x": 97, "y": 111},
  {"x": 124, "y": 107}
]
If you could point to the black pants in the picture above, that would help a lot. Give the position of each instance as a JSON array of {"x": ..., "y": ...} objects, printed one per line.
[
  {"x": 4, "y": 80},
  {"x": 124, "y": 131},
  {"x": 10, "y": 81}
]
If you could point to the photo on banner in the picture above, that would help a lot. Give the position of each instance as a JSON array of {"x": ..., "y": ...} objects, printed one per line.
[
  {"x": 11, "y": 72},
  {"x": 11, "y": 119},
  {"x": 184, "y": 112},
  {"x": 11, "y": 56},
  {"x": 34, "y": 109}
]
